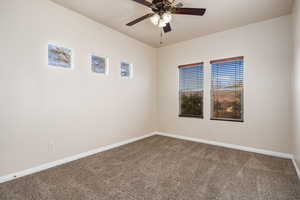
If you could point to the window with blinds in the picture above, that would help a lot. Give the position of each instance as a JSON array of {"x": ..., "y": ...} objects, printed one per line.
[
  {"x": 191, "y": 90},
  {"x": 227, "y": 89}
]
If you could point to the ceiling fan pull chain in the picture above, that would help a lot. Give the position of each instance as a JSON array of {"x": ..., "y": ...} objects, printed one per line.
[{"x": 161, "y": 37}]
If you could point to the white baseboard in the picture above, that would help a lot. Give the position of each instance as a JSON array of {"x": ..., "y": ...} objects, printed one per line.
[
  {"x": 296, "y": 167},
  {"x": 232, "y": 146},
  {"x": 238, "y": 147},
  {"x": 45, "y": 166}
]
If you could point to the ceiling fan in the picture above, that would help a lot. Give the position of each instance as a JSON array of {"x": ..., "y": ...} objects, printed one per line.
[{"x": 162, "y": 12}]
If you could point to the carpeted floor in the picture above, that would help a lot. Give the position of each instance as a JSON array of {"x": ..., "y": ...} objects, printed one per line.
[{"x": 162, "y": 168}]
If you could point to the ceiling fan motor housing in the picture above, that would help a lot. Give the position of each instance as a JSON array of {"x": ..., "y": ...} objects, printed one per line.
[{"x": 161, "y": 6}]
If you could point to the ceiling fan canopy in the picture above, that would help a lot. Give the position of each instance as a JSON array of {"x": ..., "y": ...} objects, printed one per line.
[{"x": 162, "y": 11}]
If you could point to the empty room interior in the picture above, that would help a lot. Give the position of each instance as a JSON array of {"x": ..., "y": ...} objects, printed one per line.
[{"x": 150, "y": 100}]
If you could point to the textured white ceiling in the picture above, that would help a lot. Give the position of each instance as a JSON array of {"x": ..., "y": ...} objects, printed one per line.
[{"x": 221, "y": 15}]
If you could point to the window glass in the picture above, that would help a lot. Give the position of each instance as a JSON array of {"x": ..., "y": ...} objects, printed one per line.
[
  {"x": 191, "y": 90},
  {"x": 227, "y": 89}
]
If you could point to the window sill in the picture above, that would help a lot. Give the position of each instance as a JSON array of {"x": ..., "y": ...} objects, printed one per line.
[
  {"x": 228, "y": 120},
  {"x": 192, "y": 116}
]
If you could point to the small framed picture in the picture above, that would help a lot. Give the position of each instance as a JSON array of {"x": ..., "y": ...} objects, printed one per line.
[
  {"x": 59, "y": 56},
  {"x": 126, "y": 70},
  {"x": 99, "y": 64}
]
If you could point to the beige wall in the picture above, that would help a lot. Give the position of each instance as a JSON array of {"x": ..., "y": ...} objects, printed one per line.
[
  {"x": 296, "y": 82},
  {"x": 267, "y": 48},
  {"x": 51, "y": 113}
]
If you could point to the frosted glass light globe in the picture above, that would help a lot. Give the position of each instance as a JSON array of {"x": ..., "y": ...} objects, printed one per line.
[
  {"x": 167, "y": 17},
  {"x": 161, "y": 24},
  {"x": 155, "y": 19}
]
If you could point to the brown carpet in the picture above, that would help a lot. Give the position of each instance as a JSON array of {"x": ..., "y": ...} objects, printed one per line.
[{"x": 162, "y": 168}]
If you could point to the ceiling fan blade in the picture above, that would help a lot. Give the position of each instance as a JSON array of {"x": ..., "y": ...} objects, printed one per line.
[
  {"x": 140, "y": 19},
  {"x": 189, "y": 11},
  {"x": 144, "y": 2},
  {"x": 167, "y": 28}
]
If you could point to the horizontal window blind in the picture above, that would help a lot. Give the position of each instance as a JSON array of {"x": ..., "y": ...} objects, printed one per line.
[
  {"x": 191, "y": 90},
  {"x": 227, "y": 89}
]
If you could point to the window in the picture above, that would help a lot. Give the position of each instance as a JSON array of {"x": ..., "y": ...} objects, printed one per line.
[
  {"x": 227, "y": 89},
  {"x": 126, "y": 70},
  {"x": 191, "y": 90},
  {"x": 99, "y": 64}
]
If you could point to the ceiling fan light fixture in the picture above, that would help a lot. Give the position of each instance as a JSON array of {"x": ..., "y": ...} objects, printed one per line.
[
  {"x": 167, "y": 17},
  {"x": 155, "y": 19},
  {"x": 161, "y": 24},
  {"x": 163, "y": 11},
  {"x": 161, "y": 21}
]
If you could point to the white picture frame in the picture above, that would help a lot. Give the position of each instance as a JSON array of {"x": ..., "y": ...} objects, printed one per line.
[
  {"x": 96, "y": 64},
  {"x": 126, "y": 70},
  {"x": 59, "y": 56}
]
